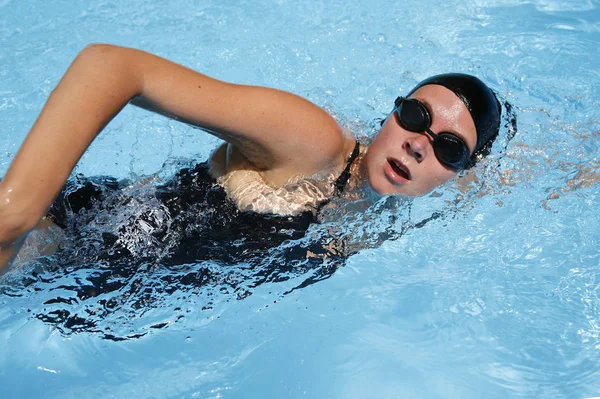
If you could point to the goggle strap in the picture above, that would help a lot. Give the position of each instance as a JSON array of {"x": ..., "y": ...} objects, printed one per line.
[{"x": 432, "y": 134}]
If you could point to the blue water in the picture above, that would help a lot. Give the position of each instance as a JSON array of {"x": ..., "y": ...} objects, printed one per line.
[{"x": 498, "y": 297}]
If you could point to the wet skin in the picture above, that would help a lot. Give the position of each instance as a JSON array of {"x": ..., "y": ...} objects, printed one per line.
[
  {"x": 403, "y": 162},
  {"x": 282, "y": 134}
]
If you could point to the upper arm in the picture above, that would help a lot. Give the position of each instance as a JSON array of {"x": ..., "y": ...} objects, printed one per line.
[{"x": 273, "y": 128}]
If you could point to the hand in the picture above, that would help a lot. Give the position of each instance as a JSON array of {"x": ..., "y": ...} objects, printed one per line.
[
  {"x": 6, "y": 255},
  {"x": 7, "y": 251},
  {"x": 13, "y": 228}
]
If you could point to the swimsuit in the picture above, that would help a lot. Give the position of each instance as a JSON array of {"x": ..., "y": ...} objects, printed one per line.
[
  {"x": 193, "y": 219},
  {"x": 342, "y": 180},
  {"x": 133, "y": 248}
]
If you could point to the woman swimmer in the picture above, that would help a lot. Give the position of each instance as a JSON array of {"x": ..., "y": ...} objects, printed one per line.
[{"x": 443, "y": 125}]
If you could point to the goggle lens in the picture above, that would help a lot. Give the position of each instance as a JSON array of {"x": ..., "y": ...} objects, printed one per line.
[
  {"x": 413, "y": 116},
  {"x": 451, "y": 149}
]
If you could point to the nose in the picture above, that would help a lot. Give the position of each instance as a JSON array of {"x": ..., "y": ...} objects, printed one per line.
[{"x": 417, "y": 146}]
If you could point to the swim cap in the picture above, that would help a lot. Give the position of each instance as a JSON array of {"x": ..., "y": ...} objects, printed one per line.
[{"x": 479, "y": 99}]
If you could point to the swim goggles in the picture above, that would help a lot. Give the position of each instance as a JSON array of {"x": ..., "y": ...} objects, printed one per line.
[{"x": 449, "y": 149}]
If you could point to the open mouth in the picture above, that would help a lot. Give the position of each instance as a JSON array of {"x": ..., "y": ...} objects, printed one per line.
[{"x": 399, "y": 168}]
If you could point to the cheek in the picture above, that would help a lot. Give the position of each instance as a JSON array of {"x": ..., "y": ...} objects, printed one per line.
[
  {"x": 374, "y": 154},
  {"x": 371, "y": 165},
  {"x": 374, "y": 169},
  {"x": 382, "y": 144},
  {"x": 377, "y": 140}
]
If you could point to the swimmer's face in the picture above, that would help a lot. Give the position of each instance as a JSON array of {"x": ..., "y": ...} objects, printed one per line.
[{"x": 403, "y": 162}]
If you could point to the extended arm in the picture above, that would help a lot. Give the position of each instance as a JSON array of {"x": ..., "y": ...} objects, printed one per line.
[{"x": 276, "y": 130}]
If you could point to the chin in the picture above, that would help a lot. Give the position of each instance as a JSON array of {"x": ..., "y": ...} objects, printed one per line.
[
  {"x": 386, "y": 188},
  {"x": 383, "y": 187},
  {"x": 376, "y": 186}
]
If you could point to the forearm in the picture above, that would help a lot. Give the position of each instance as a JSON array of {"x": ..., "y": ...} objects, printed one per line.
[
  {"x": 94, "y": 89},
  {"x": 7, "y": 254},
  {"x": 13, "y": 230}
]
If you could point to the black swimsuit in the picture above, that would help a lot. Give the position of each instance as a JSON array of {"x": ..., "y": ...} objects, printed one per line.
[
  {"x": 342, "y": 180},
  {"x": 203, "y": 221},
  {"x": 172, "y": 249}
]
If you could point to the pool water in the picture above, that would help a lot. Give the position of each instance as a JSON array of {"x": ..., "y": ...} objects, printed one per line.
[{"x": 487, "y": 288}]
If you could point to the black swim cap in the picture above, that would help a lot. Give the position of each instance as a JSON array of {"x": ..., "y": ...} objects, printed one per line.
[{"x": 479, "y": 99}]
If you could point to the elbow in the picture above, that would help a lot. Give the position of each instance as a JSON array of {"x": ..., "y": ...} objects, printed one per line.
[
  {"x": 99, "y": 54},
  {"x": 98, "y": 48},
  {"x": 110, "y": 63}
]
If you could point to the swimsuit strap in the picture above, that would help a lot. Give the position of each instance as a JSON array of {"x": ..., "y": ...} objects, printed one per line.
[{"x": 341, "y": 181}]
